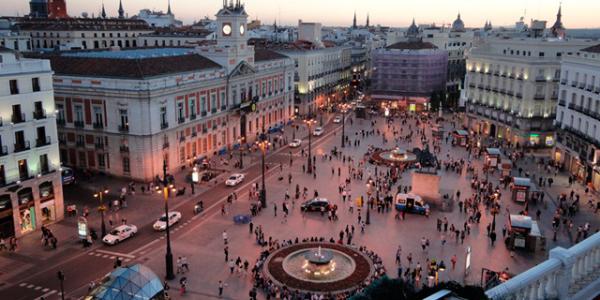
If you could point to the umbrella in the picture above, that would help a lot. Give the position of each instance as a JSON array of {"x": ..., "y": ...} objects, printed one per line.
[{"x": 242, "y": 219}]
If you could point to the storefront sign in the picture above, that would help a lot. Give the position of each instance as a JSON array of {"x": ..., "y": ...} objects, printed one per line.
[
  {"x": 82, "y": 228},
  {"x": 520, "y": 242},
  {"x": 520, "y": 197},
  {"x": 549, "y": 141}
]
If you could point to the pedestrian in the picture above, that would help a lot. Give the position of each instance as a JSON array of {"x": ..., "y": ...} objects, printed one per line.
[
  {"x": 453, "y": 261},
  {"x": 221, "y": 286},
  {"x": 225, "y": 238},
  {"x": 423, "y": 243},
  {"x": 493, "y": 237},
  {"x": 251, "y": 226}
]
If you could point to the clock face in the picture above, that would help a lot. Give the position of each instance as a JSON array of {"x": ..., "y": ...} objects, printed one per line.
[
  {"x": 226, "y": 29},
  {"x": 242, "y": 29}
]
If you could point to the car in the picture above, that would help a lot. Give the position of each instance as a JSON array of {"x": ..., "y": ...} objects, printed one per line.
[
  {"x": 318, "y": 131},
  {"x": 411, "y": 203},
  {"x": 337, "y": 120},
  {"x": 296, "y": 143},
  {"x": 119, "y": 234},
  {"x": 68, "y": 176},
  {"x": 161, "y": 223},
  {"x": 234, "y": 179},
  {"x": 316, "y": 204}
]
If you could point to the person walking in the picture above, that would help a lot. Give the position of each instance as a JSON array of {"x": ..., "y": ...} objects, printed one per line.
[
  {"x": 453, "y": 261},
  {"x": 221, "y": 286}
]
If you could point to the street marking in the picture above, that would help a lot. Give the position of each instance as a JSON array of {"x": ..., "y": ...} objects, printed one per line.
[
  {"x": 23, "y": 284},
  {"x": 127, "y": 260},
  {"x": 98, "y": 254},
  {"x": 37, "y": 288},
  {"x": 45, "y": 290},
  {"x": 116, "y": 253},
  {"x": 91, "y": 253},
  {"x": 44, "y": 296},
  {"x": 113, "y": 257},
  {"x": 30, "y": 286}
]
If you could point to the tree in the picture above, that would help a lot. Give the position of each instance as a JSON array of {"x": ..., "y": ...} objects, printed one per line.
[
  {"x": 463, "y": 291},
  {"x": 386, "y": 288}
]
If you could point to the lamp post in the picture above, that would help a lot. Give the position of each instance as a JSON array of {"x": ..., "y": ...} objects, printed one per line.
[
  {"x": 343, "y": 107},
  {"x": 309, "y": 123},
  {"x": 101, "y": 209},
  {"x": 263, "y": 192},
  {"x": 168, "y": 256},
  {"x": 241, "y": 152}
]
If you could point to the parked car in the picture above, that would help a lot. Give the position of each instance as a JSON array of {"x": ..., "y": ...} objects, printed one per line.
[
  {"x": 198, "y": 207},
  {"x": 316, "y": 204},
  {"x": 318, "y": 131},
  {"x": 68, "y": 176},
  {"x": 411, "y": 203},
  {"x": 337, "y": 120},
  {"x": 296, "y": 143},
  {"x": 234, "y": 179},
  {"x": 119, "y": 234},
  {"x": 161, "y": 223}
]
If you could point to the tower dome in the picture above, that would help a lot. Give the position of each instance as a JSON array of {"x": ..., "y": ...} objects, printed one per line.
[
  {"x": 413, "y": 30},
  {"x": 458, "y": 25}
]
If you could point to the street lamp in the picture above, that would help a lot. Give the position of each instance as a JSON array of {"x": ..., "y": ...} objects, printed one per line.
[
  {"x": 241, "y": 140},
  {"x": 343, "y": 107},
  {"x": 310, "y": 123},
  {"x": 263, "y": 145},
  {"x": 168, "y": 256},
  {"x": 102, "y": 209}
]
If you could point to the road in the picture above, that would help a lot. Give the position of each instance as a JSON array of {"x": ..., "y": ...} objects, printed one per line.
[{"x": 80, "y": 268}]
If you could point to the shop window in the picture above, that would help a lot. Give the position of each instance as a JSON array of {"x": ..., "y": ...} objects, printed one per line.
[{"x": 46, "y": 191}]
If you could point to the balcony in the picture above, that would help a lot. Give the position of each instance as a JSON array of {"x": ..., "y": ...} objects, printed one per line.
[
  {"x": 589, "y": 88},
  {"x": 61, "y": 122},
  {"x": 39, "y": 114},
  {"x": 554, "y": 97},
  {"x": 43, "y": 141},
  {"x": 540, "y": 79},
  {"x": 181, "y": 120},
  {"x": 193, "y": 117},
  {"x": 98, "y": 125},
  {"x": 223, "y": 107},
  {"x": 182, "y": 139},
  {"x": 18, "y": 118},
  {"x": 80, "y": 144},
  {"x": 519, "y": 95},
  {"x": 124, "y": 149},
  {"x": 573, "y": 83},
  {"x": 539, "y": 97},
  {"x": 581, "y": 85},
  {"x": 213, "y": 110},
  {"x": 597, "y": 90},
  {"x": 571, "y": 105},
  {"x": 194, "y": 133},
  {"x": 203, "y": 113},
  {"x": 123, "y": 128},
  {"x": 78, "y": 124},
  {"x": 164, "y": 125},
  {"x": 20, "y": 147},
  {"x": 165, "y": 145},
  {"x": 99, "y": 146},
  {"x": 62, "y": 142},
  {"x": 563, "y": 82},
  {"x": 3, "y": 150},
  {"x": 562, "y": 103}
]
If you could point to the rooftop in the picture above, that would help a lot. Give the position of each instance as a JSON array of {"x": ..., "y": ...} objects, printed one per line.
[
  {"x": 141, "y": 53},
  {"x": 265, "y": 54},
  {"x": 412, "y": 45},
  {"x": 99, "y": 24},
  {"x": 592, "y": 49}
]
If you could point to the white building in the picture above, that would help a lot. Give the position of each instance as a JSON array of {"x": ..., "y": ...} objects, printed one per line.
[
  {"x": 310, "y": 32},
  {"x": 123, "y": 112},
  {"x": 321, "y": 76},
  {"x": 30, "y": 177},
  {"x": 158, "y": 19},
  {"x": 512, "y": 88},
  {"x": 578, "y": 116}
]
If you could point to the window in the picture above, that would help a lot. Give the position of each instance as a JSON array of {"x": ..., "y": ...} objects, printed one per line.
[
  {"x": 180, "y": 115},
  {"x": 35, "y": 84},
  {"x": 126, "y": 167},
  {"x": 98, "y": 118},
  {"x": 213, "y": 102},
  {"x": 223, "y": 100},
  {"x": 163, "y": 115},
  {"x": 78, "y": 113},
  {"x": 192, "y": 104},
  {"x": 61, "y": 112},
  {"x": 44, "y": 168},
  {"x": 23, "y": 169},
  {"x": 101, "y": 161},
  {"x": 14, "y": 87},
  {"x": 203, "y": 105},
  {"x": 124, "y": 118}
]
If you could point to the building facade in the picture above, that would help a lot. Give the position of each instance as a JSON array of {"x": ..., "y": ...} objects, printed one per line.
[
  {"x": 512, "y": 88},
  {"x": 578, "y": 116},
  {"x": 30, "y": 177},
  {"x": 125, "y": 112},
  {"x": 406, "y": 74}
]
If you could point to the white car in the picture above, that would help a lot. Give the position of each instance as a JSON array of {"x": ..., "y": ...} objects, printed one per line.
[
  {"x": 119, "y": 234},
  {"x": 337, "y": 120},
  {"x": 318, "y": 131},
  {"x": 234, "y": 179},
  {"x": 161, "y": 223},
  {"x": 296, "y": 143}
]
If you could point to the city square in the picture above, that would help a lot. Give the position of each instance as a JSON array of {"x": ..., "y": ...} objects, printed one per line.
[{"x": 146, "y": 158}]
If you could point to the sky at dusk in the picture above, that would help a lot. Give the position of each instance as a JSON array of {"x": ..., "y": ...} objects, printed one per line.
[{"x": 396, "y": 13}]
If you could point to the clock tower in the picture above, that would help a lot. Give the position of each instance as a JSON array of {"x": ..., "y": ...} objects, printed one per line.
[{"x": 232, "y": 37}]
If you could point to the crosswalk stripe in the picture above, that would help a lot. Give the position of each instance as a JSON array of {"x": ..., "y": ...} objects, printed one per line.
[
  {"x": 37, "y": 288},
  {"x": 30, "y": 286},
  {"x": 23, "y": 284},
  {"x": 45, "y": 290}
]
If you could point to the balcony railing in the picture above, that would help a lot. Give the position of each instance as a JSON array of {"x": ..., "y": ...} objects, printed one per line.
[
  {"x": 164, "y": 125},
  {"x": 540, "y": 79},
  {"x": 165, "y": 145},
  {"x": 562, "y": 103},
  {"x": 18, "y": 118},
  {"x": 99, "y": 146},
  {"x": 567, "y": 274},
  {"x": 19, "y": 147},
  {"x": 539, "y": 97},
  {"x": 124, "y": 128},
  {"x": 124, "y": 149},
  {"x": 3, "y": 150},
  {"x": 61, "y": 122},
  {"x": 193, "y": 117},
  {"x": 182, "y": 138},
  {"x": 203, "y": 113},
  {"x": 98, "y": 125},
  {"x": 43, "y": 141},
  {"x": 573, "y": 83},
  {"x": 563, "y": 82},
  {"x": 78, "y": 124},
  {"x": 181, "y": 120},
  {"x": 80, "y": 144},
  {"x": 39, "y": 114},
  {"x": 589, "y": 87}
]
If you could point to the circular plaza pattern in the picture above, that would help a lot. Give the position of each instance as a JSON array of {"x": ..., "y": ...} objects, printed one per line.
[
  {"x": 394, "y": 157},
  {"x": 318, "y": 267}
]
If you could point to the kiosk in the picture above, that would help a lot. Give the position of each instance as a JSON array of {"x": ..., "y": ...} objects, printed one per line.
[
  {"x": 505, "y": 167},
  {"x": 520, "y": 189},
  {"x": 492, "y": 157},
  {"x": 523, "y": 233},
  {"x": 461, "y": 137}
]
